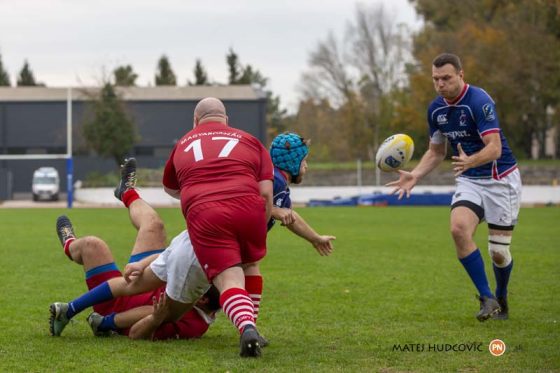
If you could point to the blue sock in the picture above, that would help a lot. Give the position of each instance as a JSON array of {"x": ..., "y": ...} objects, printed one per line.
[
  {"x": 108, "y": 323},
  {"x": 502, "y": 279},
  {"x": 98, "y": 294},
  {"x": 474, "y": 265}
]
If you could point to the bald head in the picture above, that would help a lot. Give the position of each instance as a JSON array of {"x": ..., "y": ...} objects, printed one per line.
[{"x": 210, "y": 109}]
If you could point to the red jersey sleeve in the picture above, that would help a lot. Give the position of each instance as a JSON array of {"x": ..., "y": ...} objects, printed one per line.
[
  {"x": 191, "y": 325},
  {"x": 169, "y": 175},
  {"x": 267, "y": 168}
]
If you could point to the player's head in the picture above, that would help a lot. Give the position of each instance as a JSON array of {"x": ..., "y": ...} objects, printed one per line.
[
  {"x": 447, "y": 74},
  {"x": 209, "y": 109},
  {"x": 210, "y": 301},
  {"x": 288, "y": 152}
]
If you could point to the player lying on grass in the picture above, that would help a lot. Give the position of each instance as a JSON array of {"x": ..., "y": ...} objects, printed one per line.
[
  {"x": 124, "y": 312},
  {"x": 111, "y": 293},
  {"x": 289, "y": 151}
]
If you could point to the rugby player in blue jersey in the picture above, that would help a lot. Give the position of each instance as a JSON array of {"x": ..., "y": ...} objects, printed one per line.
[{"x": 488, "y": 183}]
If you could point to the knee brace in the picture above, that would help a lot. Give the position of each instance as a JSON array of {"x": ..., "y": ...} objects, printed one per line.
[{"x": 499, "y": 246}]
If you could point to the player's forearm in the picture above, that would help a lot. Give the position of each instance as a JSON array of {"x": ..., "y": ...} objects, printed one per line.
[
  {"x": 147, "y": 260},
  {"x": 430, "y": 160},
  {"x": 489, "y": 153},
  {"x": 128, "y": 318},
  {"x": 145, "y": 328},
  {"x": 302, "y": 229}
]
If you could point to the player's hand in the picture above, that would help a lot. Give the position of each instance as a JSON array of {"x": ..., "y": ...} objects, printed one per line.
[
  {"x": 132, "y": 271},
  {"x": 324, "y": 245},
  {"x": 407, "y": 181},
  {"x": 284, "y": 215},
  {"x": 160, "y": 308},
  {"x": 462, "y": 162}
]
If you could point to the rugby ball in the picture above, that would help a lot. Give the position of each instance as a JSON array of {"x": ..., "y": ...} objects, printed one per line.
[{"x": 394, "y": 152}]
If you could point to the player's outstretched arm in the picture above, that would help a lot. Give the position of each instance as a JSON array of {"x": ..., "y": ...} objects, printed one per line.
[
  {"x": 408, "y": 180},
  {"x": 322, "y": 243}
]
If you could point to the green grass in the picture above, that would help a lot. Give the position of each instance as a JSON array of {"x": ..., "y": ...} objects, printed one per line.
[{"x": 393, "y": 280}]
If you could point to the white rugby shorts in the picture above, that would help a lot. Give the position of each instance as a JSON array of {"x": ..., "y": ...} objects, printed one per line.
[
  {"x": 179, "y": 268},
  {"x": 500, "y": 199}
]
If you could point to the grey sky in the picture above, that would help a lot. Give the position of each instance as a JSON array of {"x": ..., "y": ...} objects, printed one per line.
[{"x": 70, "y": 42}]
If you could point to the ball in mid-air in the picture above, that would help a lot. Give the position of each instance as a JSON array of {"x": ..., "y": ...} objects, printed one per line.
[{"x": 394, "y": 152}]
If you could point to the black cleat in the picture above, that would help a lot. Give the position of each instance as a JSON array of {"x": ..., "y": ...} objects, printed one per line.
[
  {"x": 489, "y": 306},
  {"x": 249, "y": 342},
  {"x": 64, "y": 229},
  {"x": 504, "y": 309},
  {"x": 263, "y": 342},
  {"x": 128, "y": 177}
]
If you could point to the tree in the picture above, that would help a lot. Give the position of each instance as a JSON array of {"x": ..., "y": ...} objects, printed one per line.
[
  {"x": 358, "y": 74},
  {"x": 239, "y": 74},
  {"x": 111, "y": 133},
  {"x": 200, "y": 75},
  {"x": 25, "y": 77},
  {"x": 165, "y": 74},
  {"x": 4, "y": 77},
  {"x": 125, "y": 76},
  {"x": 497, "y": 41},
  {"x": 234, "y": 68}
]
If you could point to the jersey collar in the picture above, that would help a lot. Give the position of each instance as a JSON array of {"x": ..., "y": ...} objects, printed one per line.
[{"x": 458, "y": 98}]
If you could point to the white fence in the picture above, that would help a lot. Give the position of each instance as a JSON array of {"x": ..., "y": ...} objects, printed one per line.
[{"x": 532, "y": 195}]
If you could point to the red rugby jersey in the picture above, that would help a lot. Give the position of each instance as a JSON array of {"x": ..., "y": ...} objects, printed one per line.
[{"x": 215, "y": 161}]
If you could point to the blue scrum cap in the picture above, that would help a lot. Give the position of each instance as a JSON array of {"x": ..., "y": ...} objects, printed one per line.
[{"x": 287, "y": 151}]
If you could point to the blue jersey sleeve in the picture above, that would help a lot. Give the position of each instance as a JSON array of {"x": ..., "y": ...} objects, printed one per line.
[
  {"x": 281, "y": 194},
  {"x": 485, "y": 114}
]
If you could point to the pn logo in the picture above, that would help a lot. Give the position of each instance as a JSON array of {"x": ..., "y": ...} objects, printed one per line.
[{"x": 497, "y": 347}]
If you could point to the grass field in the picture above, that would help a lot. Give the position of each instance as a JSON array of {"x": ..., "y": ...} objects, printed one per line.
[{"x": 393, "y": 280}]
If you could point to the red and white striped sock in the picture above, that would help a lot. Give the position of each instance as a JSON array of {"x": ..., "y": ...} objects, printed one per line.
[
  {"x": 254, "y": 286},
  {"x": 238, "y": 307}
]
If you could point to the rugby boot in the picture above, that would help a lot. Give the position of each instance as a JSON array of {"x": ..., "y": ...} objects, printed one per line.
[
  {"x": 58, "y": 319},
  {"x": 64, "y": 229},
  {"x": 488, "y": 307},
  {"x": 94, "y": 320},
  {"x": 504, "y": 309},
  {"x": 249, "y": 342},
  {"x": 263, "y": 342},
  {"x": 128, "y": 177}
]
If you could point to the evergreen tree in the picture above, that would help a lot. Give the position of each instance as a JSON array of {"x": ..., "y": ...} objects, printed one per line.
[
  {"x": 164, "y": 74},
  {"x": 234, "y": 67},
  {"x": 111, "y": 133},
  {"x": 125, "y": 76},
  {"x": 200, "y": 75},
  {"x": 26, "y": 78},
  {"x": 4, "y": 77}
]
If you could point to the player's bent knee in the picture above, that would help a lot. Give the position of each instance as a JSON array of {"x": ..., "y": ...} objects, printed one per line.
[
  {"x": 93, "y": 243},
  {"x": 498, "y": 247}
]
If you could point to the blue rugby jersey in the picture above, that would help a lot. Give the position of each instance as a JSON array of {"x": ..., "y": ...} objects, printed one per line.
[
  {"x": 466, "y": 120},
  {"x": 281, "y": 193}
]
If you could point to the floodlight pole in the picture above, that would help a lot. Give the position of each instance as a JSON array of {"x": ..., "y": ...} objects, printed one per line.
[{"x": 69, "y": 160}]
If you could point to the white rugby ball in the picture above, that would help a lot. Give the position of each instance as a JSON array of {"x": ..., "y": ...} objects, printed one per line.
[{"x": 394, "y": 152}]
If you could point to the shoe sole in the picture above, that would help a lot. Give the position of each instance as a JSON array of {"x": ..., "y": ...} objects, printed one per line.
[
  {"x": 52, "y": 318},
  {"x": 500, "y": 317},
  {"x": 482, "y": 318}
]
